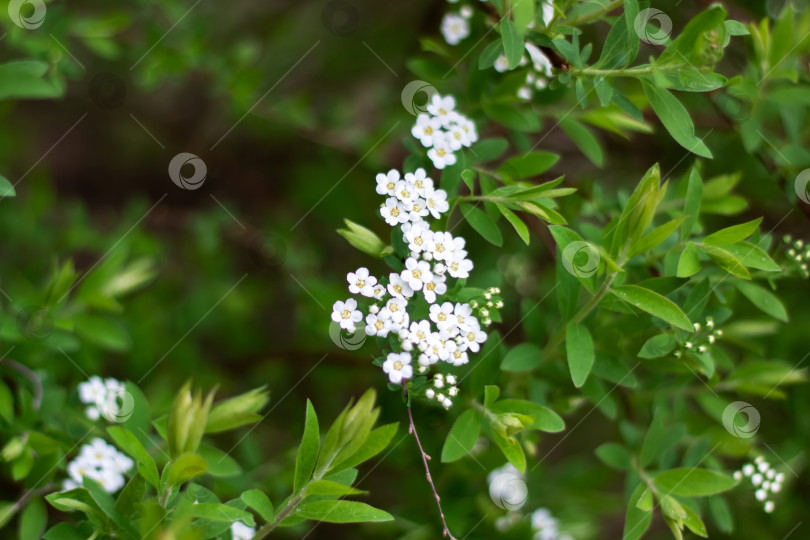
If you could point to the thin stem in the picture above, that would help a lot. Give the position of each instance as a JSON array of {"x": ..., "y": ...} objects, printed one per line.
[
  {"x": 28, "y": 374},
  {"x": 278, "y": 518},
  {"x": 625, "y": 72},
  {"x": 425, "y": 457}
]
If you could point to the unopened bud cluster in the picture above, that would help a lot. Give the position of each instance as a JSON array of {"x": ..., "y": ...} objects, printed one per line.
[
  {"x": 797, "y": 254},
  {"x": 705, "y": 335},
  {"x": 486, "y": 304},
  {"x": 443, "y": 388},
  {"x": 764, "y": 479}
]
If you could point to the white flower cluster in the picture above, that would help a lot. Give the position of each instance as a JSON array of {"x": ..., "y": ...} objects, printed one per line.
[
  {"x": 451, "y": 331},
  {"x": 546, "y": 526},
  {"x": 537, "y": 77},
  {"x": 456, "y": 26},
  {"x": 444, "y": 130},
  {"x": 764, "y": 478},
  {"x": 436, "y": 393},
  {"x": 240, "y": 531},
  {"x": 104, "y": 397},
  {"x": 101, "y": 462}
]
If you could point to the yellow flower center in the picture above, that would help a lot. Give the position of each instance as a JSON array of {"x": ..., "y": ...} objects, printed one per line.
[
  {"x": 442, "y": 112},
  {"x": 345, "y": 314},
  {"x": 398, "y": 365},
  {"x": 418, "y": 240},
  {"x": 390, "y": 186},
  {"x": 379, "y": 325},
  {"x": 460, "y": 319},
  {"x": 441, "y": 152},
  {"x": 457, "y": 354},
  {"x": 431, "y": 203},
  {"x": 398, "y": 288},
  {"x": 395, "y": 212},
  {"x": 418, "y": 184},
  {"x": 417, "y": 208},
  {"x": 428, "y": 130},
  {"x": 440, "y": 248},
  {"x": 394, "y": 307},
  {"x": 442, "y": 316},
  {"x": 430, "y": 286},
  {"x": 360, "y": 283},
  {"x": 454, "y": 266},
  {"x": 470, "y": 336},
  {"x": 417, "y": 274}
]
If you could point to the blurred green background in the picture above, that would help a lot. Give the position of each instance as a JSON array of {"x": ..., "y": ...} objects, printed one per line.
[{"x": 294, "y": 107}]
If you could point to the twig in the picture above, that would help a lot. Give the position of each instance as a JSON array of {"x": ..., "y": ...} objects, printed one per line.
[
  {"x": 28, "y": 374},
  {"x": 425, "y": 457}
]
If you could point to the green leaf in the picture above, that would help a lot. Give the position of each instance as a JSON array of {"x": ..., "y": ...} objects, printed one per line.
[
  {"x": 579, "y": 348},
  {"x": 489, "y": 149},
  {"x": 654, "y": 304},
  {"x": 512, "y": 42},
  {"x": 24, "y": 79},
  {"x": 726, "y": 261},
  {"x": 653, "y": 440},
  {"x": 655, "y": 237},
  {"x": 462, "y": 436},
  {"x": 330, "y": 488},
  {"x": 491, "y": 394},
  {"x": 511, "y": 450},
  {"x": 342, "y": 512},
  {"x": 585, "y": 140},
  {"x": 185, "y": 467},
  {"x": 308, "y": 451},
  {"x": 689, "y": 262},
  {"x": 516, "y": 222},
  {"x": 752, "y": 256},
  {"x": 33, "y": 520},
  {"x": 691, "y": 207},
  {"x": 378, "y": 439},
  {"x": 544, "y": 418},
  {"x": 259, "y": 502},
  {"x": 219, "y": 463},
  {"x": 694, "y": 523},
  {"x": 733, "y": 234},
  {"x": 482, "y": 223},
  {"x": 524, "y": 357},
  {"x": 6, "y": 188},
  {"x": 130, "y": 444},
  {"x": 622, "y": 42},
  {"x": 763, "y": 299},
  {"x": 104, "y": 332},
  {"x": 693, "y": 482},
  {"x": 657, "y": 346},
  {"x": 528, "y": 165},
  {"x": 675, "y": 118},
  {"x": 636, "y": 521},
  {"x": 523, "y": 13},
  {"x": 614, "y": 455},
  {"x": 221, "y": 512},
  {"x": 131, "y": 496}
]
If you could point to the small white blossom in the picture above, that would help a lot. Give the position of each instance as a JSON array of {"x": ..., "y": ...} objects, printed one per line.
[
  {"x": 346, "y": 314},
  {"x": 433, "y": 288},
  {"x": 395, "y": 309},
  {"x": 441, "y": 154},
  {"x": 418, "y": 236},
  {"x": 398, "y": 367},
  {"x": 386, "y": 183},
  {"x": 442, "y": 107},
  {"x": 240, "y": 531},
  {"x": 360, "y": 282},
  {"x": 377, "y": 326},
  {"x": 399, "y": 287},
  {"x": 394, "y": 212},
  {"x": 426, "y": 129},
  {"x": 436, "y": 201},
  {"x": 416, "y": 273},
  {"x": 454, "y": 28},
  {"x": 501, "y": 64}
]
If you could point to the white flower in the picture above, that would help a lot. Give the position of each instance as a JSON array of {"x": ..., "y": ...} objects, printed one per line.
[
  {"x": 387, "y": 182},
  {"x": 398, "y": 287},
  {"x": 93, "y": 391},
  {"x": 458, "y": 357},
  {"x": 420, "y": 180},
  {"x": 442, "y": 107},
  {"x": 406, "y": 192},
  {"x": 419, "y": 235},
  {"x": 240, "y": 531},
  {"x": 459, "y": 267},
  {"x": 539, "y": 59},
  {"x": 398, "y": 367},
  {"x": 419, "y": 333},
  {"x": 426, "y": 129},
  {"x": 469, "y": 128},
  {"x": 464, "y": 317},
  {"x": 442, "y": 315},
  {"x": 524, "y": 92},
  {"x": 377, "y": 325},
  {"x": 417, "y": 209},
  {"x": 394, "y": 212},
  {"x": 441, "y": 245},
  {"x": 501, "y": 64},
  {"x": 434, "y": 287},
  {"x": 378, "y": 291},
  {"x": 466, "y": 12},
  {"x": 416, "y": 273},
  {"x": 473, "y": 338},
  {"x": 395, "y": 309},
  {"x": 101, "y": 462},
  {"x": 455, "y": 28},
  {"x": 548, "y": 11},
  {"x": 346, "y": 314},
  {"x": 441, "y": 155},
  {"x": 436, "y": 200},
  {"x": 439, "y": 348},
  {"x": 360, "y": 282}
]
